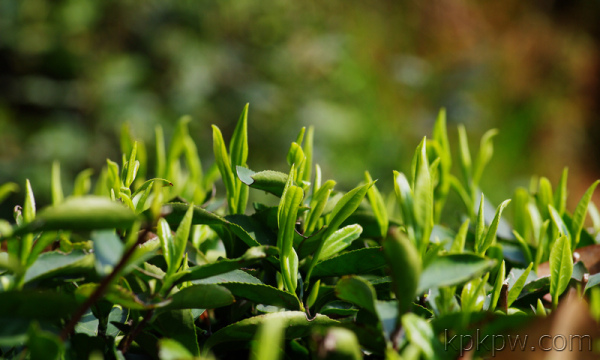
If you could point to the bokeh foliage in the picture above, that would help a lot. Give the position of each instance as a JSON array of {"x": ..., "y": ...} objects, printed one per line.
[{"x": 369, "y": 76}]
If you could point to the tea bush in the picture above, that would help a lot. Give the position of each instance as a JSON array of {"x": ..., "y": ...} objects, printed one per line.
[{"x": 171, "y": 267}]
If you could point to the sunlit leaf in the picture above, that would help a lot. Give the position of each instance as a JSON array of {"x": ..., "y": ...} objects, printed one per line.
[{"x": 561, "y": 267}]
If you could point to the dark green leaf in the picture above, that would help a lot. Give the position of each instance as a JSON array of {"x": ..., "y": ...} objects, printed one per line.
[
  {"x": 55, "y": 264},
  {"x": 200, "y": 296},
  {"x": 179, "y": 326},
  {"x": 251, "y": 256},
  {"x": 358, "y": 292},
  {"x": 360, "y": 261},
  {"x": 108, "y": 249},
  {"x": 295, "y": 323},
  {"x": 453, "y": 269}
]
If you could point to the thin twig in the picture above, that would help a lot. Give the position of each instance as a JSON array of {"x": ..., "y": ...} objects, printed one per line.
[{"x": 99, "y": 292}]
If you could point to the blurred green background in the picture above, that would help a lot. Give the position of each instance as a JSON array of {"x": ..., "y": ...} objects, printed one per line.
[{"x": 371, "y": 76}]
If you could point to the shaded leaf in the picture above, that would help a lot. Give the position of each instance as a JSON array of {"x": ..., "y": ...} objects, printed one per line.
[
  {"x": 55, "y": 264},
  {"x": 200, "y": 296},
  {"x": 295, "y": 323},
  {"x": 251, "y": 256},
  {"x": 360, "y": 261},
  {"x": 453, "y": 269}
]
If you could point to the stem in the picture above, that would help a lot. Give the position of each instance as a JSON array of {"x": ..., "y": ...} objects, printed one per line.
[
  {"x": 99, "y": 292},
  {"x": 128, "y": 340}
]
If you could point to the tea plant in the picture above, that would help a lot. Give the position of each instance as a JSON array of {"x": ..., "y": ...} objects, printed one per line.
[{"x": 170, "y": 268}]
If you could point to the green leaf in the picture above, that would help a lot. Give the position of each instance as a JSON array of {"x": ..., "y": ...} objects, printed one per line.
[
  {"x": 297, "y": 158},
  {"x": 560, "y": 196},
  {"x": 593, "y": 280},
  {"x": 166, "y": 241},
  {"x": 317, "y": 205},
  {"x": 161, "y": 157},
  {"x": 132, "y": 166},
  {"x": 44, "y": 345},
  {"x": 308, "y": 152},
  {"x": 149, "y": 183},
  {"x": 180, "y": 240},
  {"x": 515, "y": 290},
  {"x": 238, "y": 146},
  {"x": 453, "y": 269},
  {"x": 264, "y": 294},
  {"x": 423, "y": 198},
  {"x": 465, "y": 154},
  {"x": 420, "y": 333},
  {"x": 405, "y": 199},
  {"x": 113, "y": 180},
  {"x": 405, "y": 264},
  {"x": 118, "y": 295},
  {"x": 81, "y": 213},
  {"x": 521, "y": 223},
  {"x": 490, "y": 236},
  {"x": 57, "y": 191},
  {"x": 29, "y": 206},
  {"x": 200, "y": 296},
  {"x": 268, "y": 341},
  {"x": 55, "y": 264},
  {"x": 480, "y": 227},
  {"x": 269, "y": 181},
  {"x": 179, "y": 326},
  {"x": 83, "y": 183},
  {"x": 108, "y": 250},
  {"x": 486, "y": 150},
  {"x": 580, "y": 212},
  {"x": 224, "y": 165},
  {"x": 295, "y": 323},
  {"x": 36, "y": 304},
  {"x": 524, "y": 247},
  {"x": 235, "y": 276},
  {"x": 473, "y": 295},
  {"x": 170, "y": 349},
  {"x": 175, "y": 212},
  {"x": 458, "y": 245},
  {"x": 558, "y": 223},
  {"x": 378, "y": 205},
  {"x": 358, "y": 292},
  {"x": 340, "y": 240},
  {"x": 498, "y": 286},
  {"x": 251, "y": 256},
  {"x": 561, "y": 267},
  {"x": 6, "y": 189},
  {"x": 287, "y": 215},
  {"x": 342, "y": 210},
  {"x": 360, "y": 261}
]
